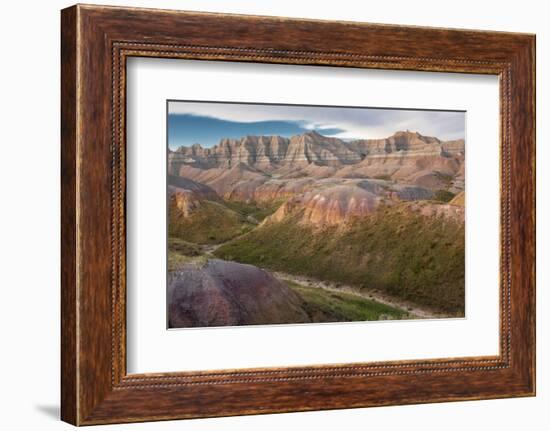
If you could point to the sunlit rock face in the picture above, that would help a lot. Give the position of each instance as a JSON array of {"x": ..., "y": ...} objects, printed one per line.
[{"x": 330, "y": 206}]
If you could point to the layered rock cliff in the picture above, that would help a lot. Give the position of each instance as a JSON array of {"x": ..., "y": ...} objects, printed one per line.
[
  {"x": 242, "y": 169},
  {"x": 269, "y": 153},
  {"x": 327, "y": 180}
]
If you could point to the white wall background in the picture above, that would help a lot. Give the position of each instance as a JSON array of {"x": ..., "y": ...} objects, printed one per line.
[{"x": 29, "y": 215}]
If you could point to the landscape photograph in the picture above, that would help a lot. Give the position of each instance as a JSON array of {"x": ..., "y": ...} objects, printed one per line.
[{"x": 300, "y": 214}]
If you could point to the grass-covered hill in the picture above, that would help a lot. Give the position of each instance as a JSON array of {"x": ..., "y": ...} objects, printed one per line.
[
  {"x": 395, "y": 250},
  {"x": 210, "y": 223},
  {"x": 214, "y": 222}
]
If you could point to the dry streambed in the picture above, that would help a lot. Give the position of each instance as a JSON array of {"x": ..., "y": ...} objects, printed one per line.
[{"x": 413, "y": 310}]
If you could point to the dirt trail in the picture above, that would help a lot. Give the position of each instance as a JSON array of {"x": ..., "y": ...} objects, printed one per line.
[
  {"x": 414, "y": 310},
  {"x": 211, "y": 248}
]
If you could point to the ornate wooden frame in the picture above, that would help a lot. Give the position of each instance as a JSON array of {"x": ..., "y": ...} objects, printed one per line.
[{"x": 95, "y": 42}]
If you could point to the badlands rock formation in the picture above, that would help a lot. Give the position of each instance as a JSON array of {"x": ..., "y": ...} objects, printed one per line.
[
  {"x": 187, "y": 194},
  {"x": 377, "y": 209},
  {"x": 330, "y": 206},
  {"x": 327, "y": 180},
  {"x": 269, "y": 167}
]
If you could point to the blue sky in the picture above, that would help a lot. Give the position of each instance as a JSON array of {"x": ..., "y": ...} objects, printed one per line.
[{"x": 206, "y": 123}]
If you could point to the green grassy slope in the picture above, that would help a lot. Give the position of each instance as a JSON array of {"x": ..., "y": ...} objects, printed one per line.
[
  {"x": 394, "y": 250},
  {"x": 256, "y": 211},
  {"x": 211, "y": 223},
  {"x": 326, "y": 306}
]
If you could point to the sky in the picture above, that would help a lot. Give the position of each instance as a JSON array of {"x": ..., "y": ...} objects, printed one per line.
[{"x": 206, "y": 123}]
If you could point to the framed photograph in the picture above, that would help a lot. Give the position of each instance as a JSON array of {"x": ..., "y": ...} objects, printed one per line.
[
  {"x": 287, "y": 214},
  {"x": 263, "y": 214}
]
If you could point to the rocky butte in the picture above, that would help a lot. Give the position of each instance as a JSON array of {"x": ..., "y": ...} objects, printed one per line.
[{"x": 331, "y": 179}]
